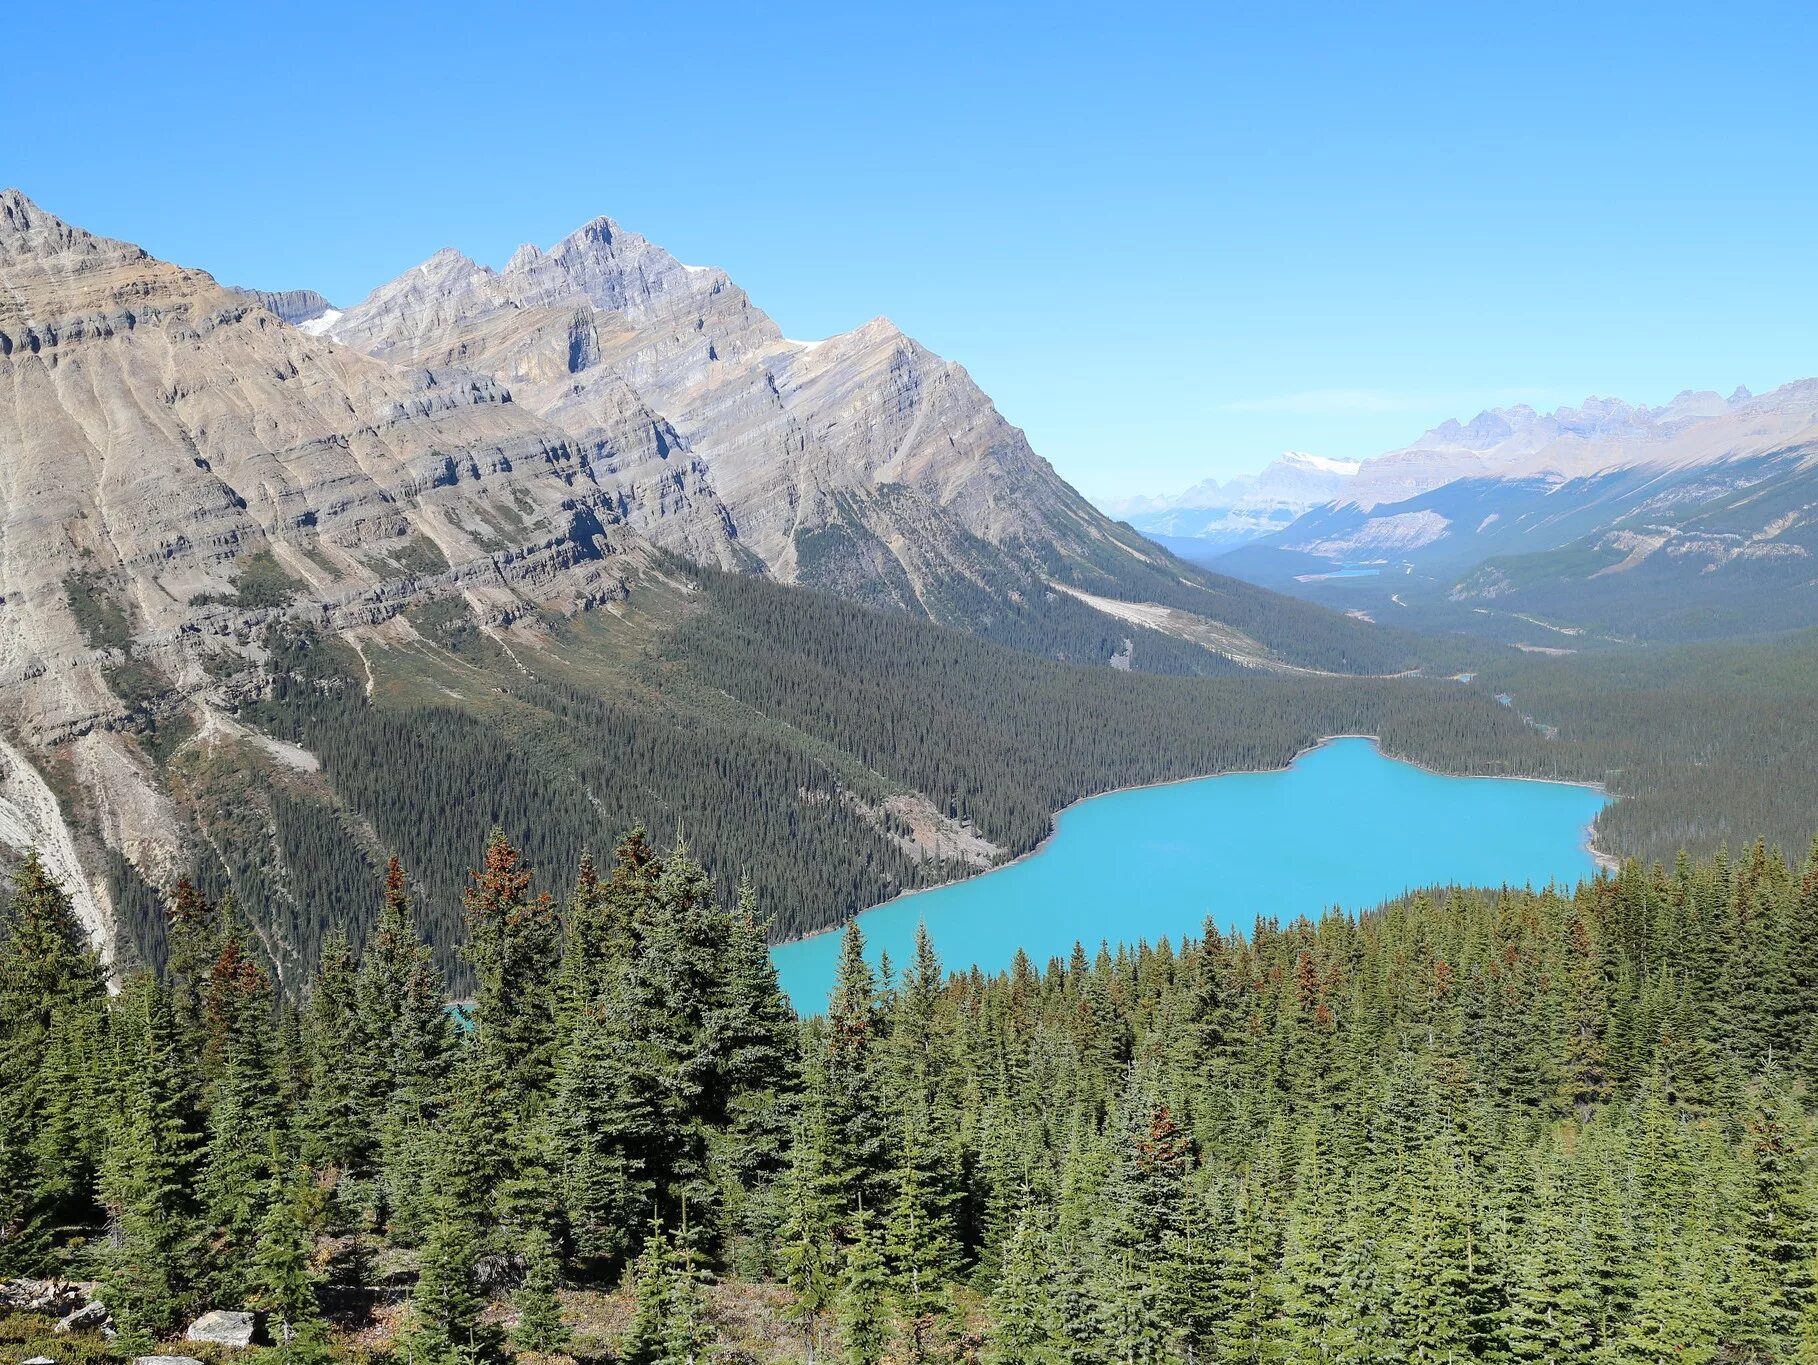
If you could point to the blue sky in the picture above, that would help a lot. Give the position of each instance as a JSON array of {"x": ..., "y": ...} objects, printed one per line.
[{"x": 1171, "y": 241}]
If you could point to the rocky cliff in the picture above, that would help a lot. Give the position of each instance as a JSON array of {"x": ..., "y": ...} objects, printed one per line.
[
  {"x": 863, "y": 463},
  {"x": 180, "y": 468}
]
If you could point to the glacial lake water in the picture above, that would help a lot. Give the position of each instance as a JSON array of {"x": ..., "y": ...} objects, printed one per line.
[{"x": 1343, "y": 826}]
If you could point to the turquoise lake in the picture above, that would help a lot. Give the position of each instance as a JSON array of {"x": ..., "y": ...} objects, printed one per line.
[{"x": 1344, "y": 826}]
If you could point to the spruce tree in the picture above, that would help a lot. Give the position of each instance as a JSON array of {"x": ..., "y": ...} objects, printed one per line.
[
  {"x": 150, "y": 1272},
  {"x": 864, "y": 1314},
  {"x": 1023, "y": 1321},
  {"x": 445, "y": 1306},
  {"x": 338, "y": 1130},
  {"x": 51, "y": 1008},
  {"x": 283, "y": 1282},
  {"x": 539, "y": 1326},
  {"x": 513, "y": 945}
]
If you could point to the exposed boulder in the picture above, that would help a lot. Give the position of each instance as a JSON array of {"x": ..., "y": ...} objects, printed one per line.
[
  {"x": 89, "y": 1317},
  {"x": 165, "y": 1360},
  {"x": 224, "y": 1328}
]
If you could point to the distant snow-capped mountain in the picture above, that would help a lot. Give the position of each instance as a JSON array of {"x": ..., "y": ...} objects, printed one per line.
[
  {"x": 1695, "y": 519},
  {"x": 1498, "y": 443},
  {"x": 1215, "y": 516}
]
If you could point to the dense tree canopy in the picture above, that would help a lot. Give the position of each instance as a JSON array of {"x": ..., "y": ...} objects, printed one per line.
[{"x": 1471, "y": 1125}]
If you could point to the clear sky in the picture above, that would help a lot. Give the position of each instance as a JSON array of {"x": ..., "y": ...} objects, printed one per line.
[{"x": 1171, "y": 241}]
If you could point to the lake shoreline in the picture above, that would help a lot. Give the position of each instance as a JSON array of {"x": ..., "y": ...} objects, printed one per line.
[{"x": 1605, "y": 862}]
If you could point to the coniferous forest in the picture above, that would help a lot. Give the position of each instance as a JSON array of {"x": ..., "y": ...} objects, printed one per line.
[{"x": 1468, "y": 1126}]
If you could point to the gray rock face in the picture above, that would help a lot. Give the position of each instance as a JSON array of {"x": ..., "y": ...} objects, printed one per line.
[
  {"x": 52, "y": 1298},
  {"x": 160, "y": 434},
  {"x": 295, "y": 306},
  {"x": 866, "y": 435},
  {"x": 165, "y": 1360},
  {"x": 224, "y": 1328}
]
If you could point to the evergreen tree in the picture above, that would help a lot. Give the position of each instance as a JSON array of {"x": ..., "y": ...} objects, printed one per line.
[
  {"x": 284, "y": 1283},
  {"x": 337, "y": 1131},
  {"x": 50, "y": 1020},
  {"x": 513, "y": 944},
  {"x": 864, "y": 1314},
  {"x": 1024, "y": 1328},
  {"x": 539, "y": 1326},
  {"x": 445, "y": 1306},
  {"x": 149, "y": 1179}
]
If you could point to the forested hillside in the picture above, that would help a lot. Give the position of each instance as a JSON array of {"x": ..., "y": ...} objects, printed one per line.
[
  {"x": 774, "y": 725},
  {"x": 1705, "y": 744},
  {"x": 803, "y": 741},
  {"x": 1468, "y": 1126}
]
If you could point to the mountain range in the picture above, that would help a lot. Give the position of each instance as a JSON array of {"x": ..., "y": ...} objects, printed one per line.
[
  {"x": 1694, "y": 519},
  {"x": 242, "y": 532}
]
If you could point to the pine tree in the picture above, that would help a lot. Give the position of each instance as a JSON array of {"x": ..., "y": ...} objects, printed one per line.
[
  {"x": 864, "y": 1315},
  {"x": 403, "y": 1026},
  {"x": 1309, "y": 1325},
  {"x": 606, "y": 1117},
  {"x": 284, "y": 1284},
  {"x": 539, "y": 1326},
  {"x": 150, "y": 1272},
  {"x": 851, "y": 1063},
  {"x": 246, "y": 1129},
  {"x": 1548, "y": 1315},
  {"x": 754, "y": 1041},
  {"x": 337, "y": 1131},
  {"x": 51, "y": 1001},
  {"x": 191, "y": 932},
  {"x": 513, "y": 944},
  {"x": 445, "y": 1306},
  {"x": 647, "y": 1339},
  {"x": 919, "y": 1238},
  {"x": 804, "y": 1241},
  {"x": 1023, "y": 1321},
  {"x": 689, "y": 1330}
]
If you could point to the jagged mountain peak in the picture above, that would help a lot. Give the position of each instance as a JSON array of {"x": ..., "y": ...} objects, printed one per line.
[
  {"x": 28, "y": 230},
  {"x": 797, "y": 438},
  {"x": 17, "y": 212}
]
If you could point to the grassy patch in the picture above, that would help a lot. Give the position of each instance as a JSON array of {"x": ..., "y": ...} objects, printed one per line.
[
  {"x": 261, "y": 583},
  {"x": 103, "y": 621},
  {"x": 25, "y": 1335},
  {"x": 419, "y": 555}
]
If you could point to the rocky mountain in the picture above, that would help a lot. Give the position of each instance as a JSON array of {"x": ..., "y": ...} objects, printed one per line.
[
  {"x": 1501, "y": 441},
  {"x": 179, "y": 468},
  {"x": 299, "y": 307},
  {"x": 1515, "y": 442},
  {"x": 244, "y": 564},
  {"x": 862, "y": 463},
  {"x": 1693, "y": 519}
]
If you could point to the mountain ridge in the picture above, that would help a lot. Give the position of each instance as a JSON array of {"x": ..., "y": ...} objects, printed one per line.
[{"x": 216, "y": 525}]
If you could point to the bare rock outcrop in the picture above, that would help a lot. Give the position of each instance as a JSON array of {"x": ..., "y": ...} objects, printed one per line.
[{"x": 858, "y": 463}]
